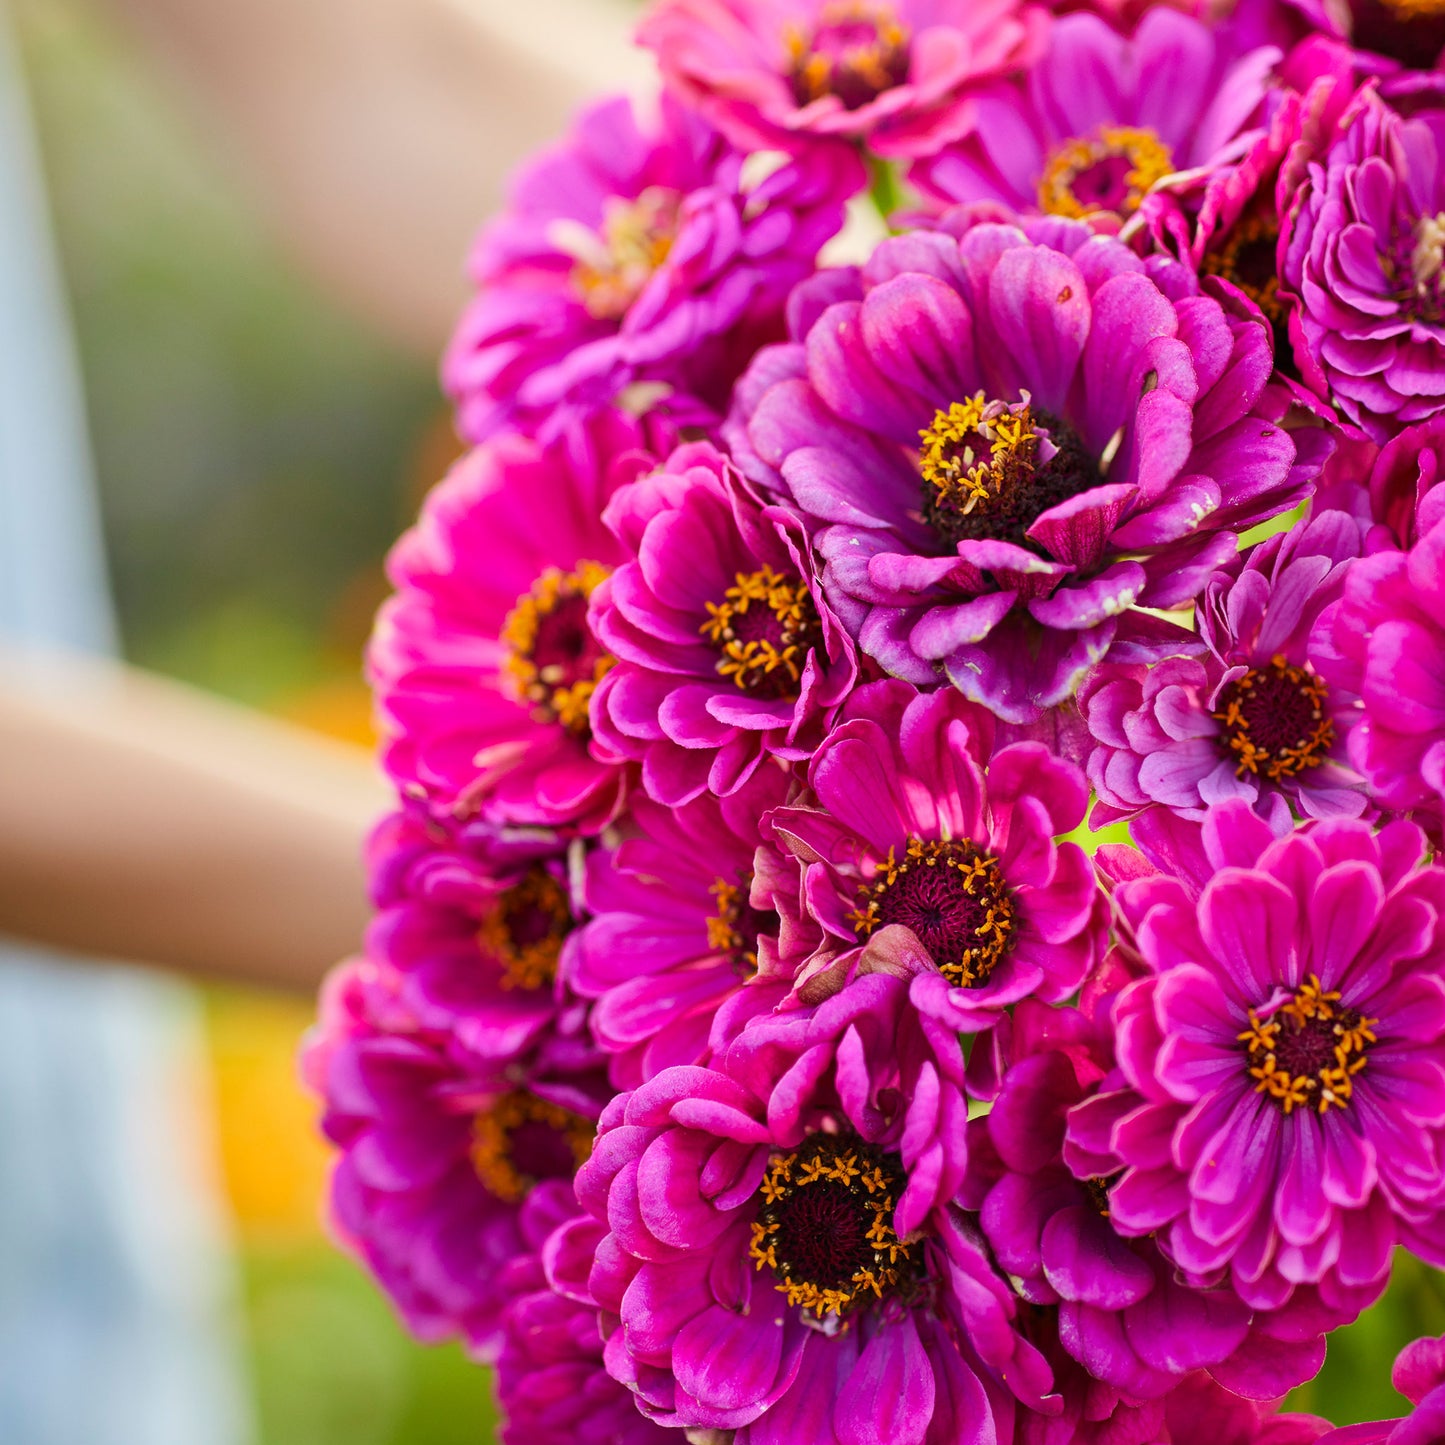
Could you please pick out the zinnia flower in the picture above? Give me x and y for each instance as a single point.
(1278, 1113)
(483, 663)
(637, 256)
(726, 652)
(1250, 716)
(689, 905)
(1363, 263)
(472, 922)
(783, 1258)
(934, 859)
(438, 1151)
(1388, 636)
(888, 73)
(1099, 119)
(1005, 448)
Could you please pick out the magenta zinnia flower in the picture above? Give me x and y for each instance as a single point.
(1278, 1113)
(483, 663)
(438, 1151)
(1363, 263)
(1388, 634)
(727, 654)
(783, 1257)
(686, 908)
(1251, 715)
(890, 73)
(926, 855)
(1100, 118)
(1004, 448)
(472, 922)
(635, 254)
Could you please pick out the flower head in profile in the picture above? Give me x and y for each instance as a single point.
(1362, 262)
(1277, 1112)
(727, 654)
(892, 74)
(689, 905)
(483, 663)
(1006, 447)
(930, 856)
(783, 1258)
(1251, 715)
(438, 1151)
(1387, 637)
(1101, 118)
(640, 261)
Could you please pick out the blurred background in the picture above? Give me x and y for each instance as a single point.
(260, 436)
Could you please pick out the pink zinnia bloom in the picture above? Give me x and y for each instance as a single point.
(643, 254)
(929, 854)
(1277, 1117)
(483, 663)
(891, 74)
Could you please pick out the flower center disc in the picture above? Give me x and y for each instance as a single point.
(617, 261)
(1114, 171)
(991, 469)
(856, 51)
(764, 628)
(522, 1139)
(825, 1225)
(1309, 1050)
(1410, 31)
(1427, 269)
(554, 660)
(1247, 258)
(524, 930)
(955, 900)
(733, 930)
(1274, 721)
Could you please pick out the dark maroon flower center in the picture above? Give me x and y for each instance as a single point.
(524, 929)
(554, 661)
(522, 1139)
(1112, 170)
(1246, 256)
(1410, 31)
(825, 1225)
(764, 628)
(734, 927)
(991, 470)
(954, 899)
(1308, 1050)
(856, 51)
(1274, 721)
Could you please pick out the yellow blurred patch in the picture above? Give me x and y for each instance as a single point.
(273, 1159)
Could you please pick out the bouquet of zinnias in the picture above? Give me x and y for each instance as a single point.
(929, 432)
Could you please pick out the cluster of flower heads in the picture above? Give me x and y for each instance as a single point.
(934, 431)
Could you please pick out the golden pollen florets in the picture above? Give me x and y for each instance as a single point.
(522, 1139)
(1113, 171)
(764, 628)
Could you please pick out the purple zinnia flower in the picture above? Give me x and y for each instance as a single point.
(1278, 1113)
(727, 653)
(1362, 261)
(926, 856)
(483, 662)
(1419, 1375)
(784, 1259)
(889, 73)
(438, 1150)
(551, 1381)
(642, 254)
(1100, 118)
(1388, 637)
(1004, 448)
(689, 905)
(1121, 1312)
(1249, 716)
(472, 922)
